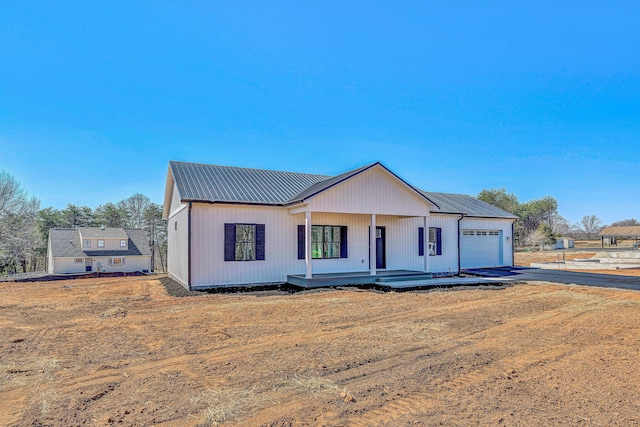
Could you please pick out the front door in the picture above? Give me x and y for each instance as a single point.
(380, 248)
(88, 263)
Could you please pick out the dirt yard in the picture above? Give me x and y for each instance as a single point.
(123, 351)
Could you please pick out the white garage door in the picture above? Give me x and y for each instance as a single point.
(480, 248)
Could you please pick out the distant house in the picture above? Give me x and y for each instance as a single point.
(563, 243)
(609, 235)
(230, 226)
(98, 249)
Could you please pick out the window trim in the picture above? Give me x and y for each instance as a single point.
(117, 264)
(86, 243)
(123, 243)
(343, 246)
(230, 247)
(78, 260)
(98, 245)
(324, 248)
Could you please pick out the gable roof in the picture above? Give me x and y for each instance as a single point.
(66, 243)
(103, 233)
(198, 182)
(629, 230)
(467, 205)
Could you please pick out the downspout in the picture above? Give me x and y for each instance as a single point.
(189, 247)
(459, 219)
(513, 246)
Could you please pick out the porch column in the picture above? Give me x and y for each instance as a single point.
(307, 244)
(425, 221)
(372, 246)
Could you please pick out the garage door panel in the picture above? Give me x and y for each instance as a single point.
(480, 248)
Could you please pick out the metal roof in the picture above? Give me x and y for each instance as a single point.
(66, 243)
(211, 183)
(467, 205)
(225, 184)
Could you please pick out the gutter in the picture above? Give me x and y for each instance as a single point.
(189, 247)
(460, 219)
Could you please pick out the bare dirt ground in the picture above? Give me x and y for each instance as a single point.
(526, 258)
(123, 351)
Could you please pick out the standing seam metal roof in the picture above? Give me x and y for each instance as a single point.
(211, 183)
(198, 182)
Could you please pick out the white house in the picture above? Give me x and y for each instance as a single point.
(230, 226)
(98, 249)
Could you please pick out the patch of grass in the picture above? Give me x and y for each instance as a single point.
(220, 406)
(114, 312)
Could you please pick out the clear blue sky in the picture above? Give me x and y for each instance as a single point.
(542, 98)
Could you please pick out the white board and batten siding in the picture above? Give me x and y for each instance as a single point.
(372, 191)
(485, 242)
(448, 261)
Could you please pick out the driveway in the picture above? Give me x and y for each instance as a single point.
(560, 276)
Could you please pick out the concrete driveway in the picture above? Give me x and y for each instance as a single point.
(559, 276)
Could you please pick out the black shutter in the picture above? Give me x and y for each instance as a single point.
(260, 242)
(301, 239)
(420, 241)
(229, 242)
(343, 242)
(438, 241)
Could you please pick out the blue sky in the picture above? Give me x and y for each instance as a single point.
(542, 98)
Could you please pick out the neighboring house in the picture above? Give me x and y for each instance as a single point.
(98, 249)
(609, 235)
(563, 243)
(230, 226)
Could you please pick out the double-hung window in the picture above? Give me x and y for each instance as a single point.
(101, 243)
(86, 243)
(244, 242)
(435, 241)
(327, 241)
(123, 243)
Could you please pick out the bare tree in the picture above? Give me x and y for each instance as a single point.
(19, 234)
(560, 226)
(589, 225)
(135, 206)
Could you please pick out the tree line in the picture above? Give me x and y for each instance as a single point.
(24, 226)
(540, 223)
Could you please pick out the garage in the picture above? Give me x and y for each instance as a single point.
(480, 248)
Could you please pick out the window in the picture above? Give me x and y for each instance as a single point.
(123, 243)
(244, 242)
(467, 232)
(435, 241)
(327, 241)
(481, 233)
(175, 225)
(116, 261)
(494, 233)
(78, 260)
(86, 243)
(101, 243)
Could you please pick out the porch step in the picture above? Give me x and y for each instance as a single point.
(405, 278)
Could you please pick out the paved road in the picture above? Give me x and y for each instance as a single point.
(588, 279)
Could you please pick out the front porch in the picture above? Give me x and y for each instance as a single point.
(355, 278)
